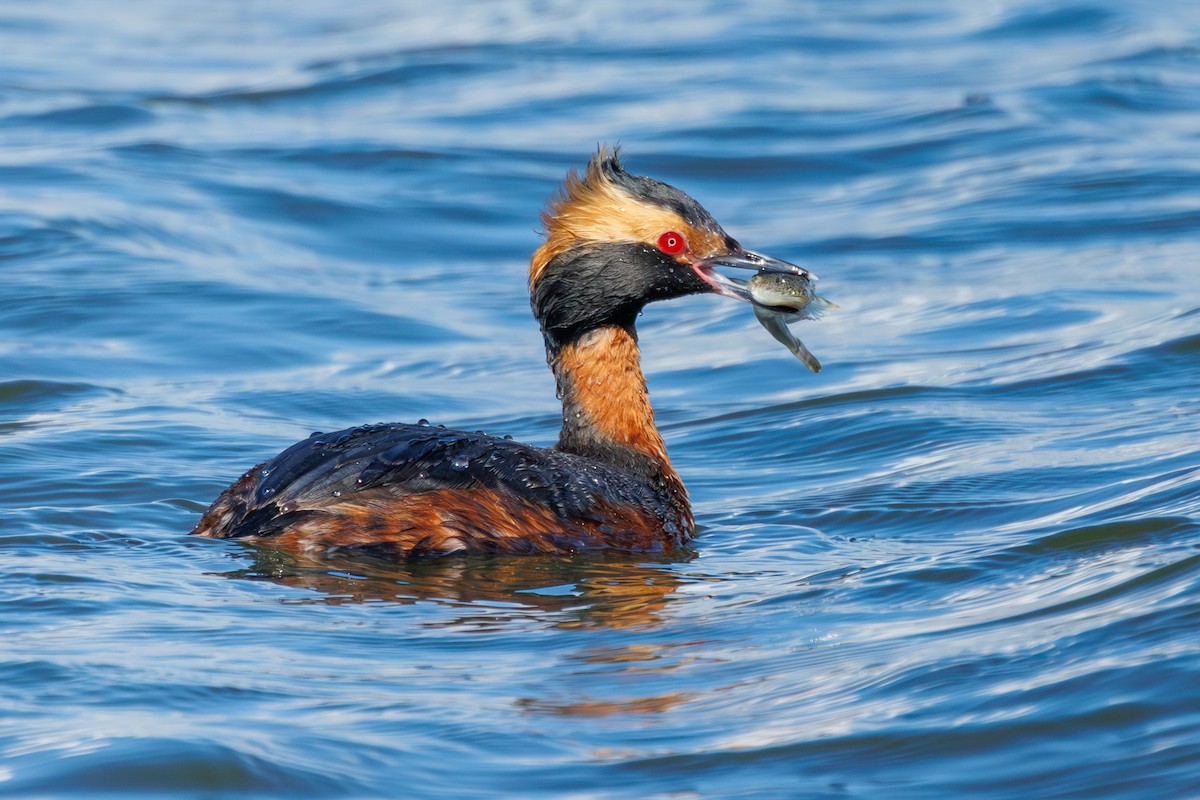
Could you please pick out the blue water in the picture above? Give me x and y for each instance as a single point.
(964, 560)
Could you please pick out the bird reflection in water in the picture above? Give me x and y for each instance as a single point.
(616, 591)
(630, 593)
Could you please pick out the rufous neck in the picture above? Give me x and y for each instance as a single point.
(606, 404)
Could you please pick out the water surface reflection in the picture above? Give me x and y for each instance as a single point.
(613, 591)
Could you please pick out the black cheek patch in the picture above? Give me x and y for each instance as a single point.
(595, 285)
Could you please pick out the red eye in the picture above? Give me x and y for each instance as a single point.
(672, 243)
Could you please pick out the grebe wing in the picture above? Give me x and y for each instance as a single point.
(377, 462)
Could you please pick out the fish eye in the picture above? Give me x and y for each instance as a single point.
(672, 243)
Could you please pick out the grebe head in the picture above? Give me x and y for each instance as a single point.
(616, 241)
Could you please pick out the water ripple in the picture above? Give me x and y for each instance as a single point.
(960, 561)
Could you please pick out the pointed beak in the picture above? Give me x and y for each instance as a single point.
(741, 259)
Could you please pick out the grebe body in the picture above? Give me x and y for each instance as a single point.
(406, 491)
(614, 242)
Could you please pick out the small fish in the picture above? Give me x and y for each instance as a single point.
(783, 298)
